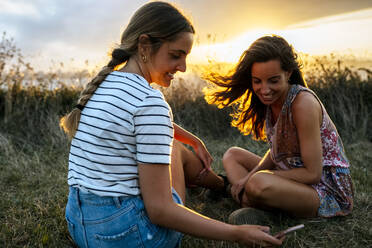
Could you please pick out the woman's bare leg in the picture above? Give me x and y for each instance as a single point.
(266, 190)
(177, 172)
(186, 168)
(238, 162)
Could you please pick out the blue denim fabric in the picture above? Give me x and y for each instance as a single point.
(96, 221)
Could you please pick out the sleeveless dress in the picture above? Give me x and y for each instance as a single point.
(335, 189)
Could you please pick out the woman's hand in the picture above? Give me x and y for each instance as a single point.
(257, 235)
(203, 154)
(237, 187)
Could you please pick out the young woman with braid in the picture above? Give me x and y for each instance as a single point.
(305, 172)
(127, 164)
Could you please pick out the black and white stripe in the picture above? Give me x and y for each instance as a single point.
(125, 122)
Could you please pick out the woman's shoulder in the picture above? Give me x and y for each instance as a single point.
(303, 97)
(306, 108)
(306, 103)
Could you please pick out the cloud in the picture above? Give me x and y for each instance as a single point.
(74, 21)
(339, 33)
(90, 27)
(351, 16)
(19, 8)
(342, 34)
(86, 29)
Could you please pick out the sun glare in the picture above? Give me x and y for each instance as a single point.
(343, 34)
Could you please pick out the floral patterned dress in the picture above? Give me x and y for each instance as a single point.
(335, 188)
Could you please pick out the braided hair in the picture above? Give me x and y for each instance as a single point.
(161, 21)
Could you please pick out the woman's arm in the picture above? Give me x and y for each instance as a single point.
(200, 149)
(307, 116)
(184, 136)
(265, 164)
(156, 192)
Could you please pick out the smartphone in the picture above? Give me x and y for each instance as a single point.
(289, 230)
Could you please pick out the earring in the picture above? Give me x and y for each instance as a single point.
(144, 59)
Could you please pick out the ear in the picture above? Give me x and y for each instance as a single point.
(144, 39)
(144, 44)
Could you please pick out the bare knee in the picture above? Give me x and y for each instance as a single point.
(257, 185)
(229, 157)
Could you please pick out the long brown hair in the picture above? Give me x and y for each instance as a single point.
(160, 21)
(235, 88)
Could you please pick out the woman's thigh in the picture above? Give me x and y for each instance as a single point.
(177, 171)
(266, 189)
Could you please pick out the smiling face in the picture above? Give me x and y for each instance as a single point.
(169, 59)
(270, 82)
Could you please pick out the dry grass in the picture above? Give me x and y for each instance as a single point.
(33, 152)
(34, 189)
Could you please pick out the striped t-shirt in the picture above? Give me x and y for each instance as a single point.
(124, 123)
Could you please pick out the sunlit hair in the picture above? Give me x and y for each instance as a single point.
(235, 88)
(160, 21)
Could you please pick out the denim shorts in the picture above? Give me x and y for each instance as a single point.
(96, 221)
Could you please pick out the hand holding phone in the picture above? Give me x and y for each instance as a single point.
(289, 230)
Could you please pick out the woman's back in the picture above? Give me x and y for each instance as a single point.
(124, 122)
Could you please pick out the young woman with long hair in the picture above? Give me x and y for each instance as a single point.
(305, 172)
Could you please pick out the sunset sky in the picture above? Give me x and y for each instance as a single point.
(72, 31)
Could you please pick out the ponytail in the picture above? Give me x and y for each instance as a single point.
(69, 123)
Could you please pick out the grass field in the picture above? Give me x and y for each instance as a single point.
(34, 194)
(34, 151)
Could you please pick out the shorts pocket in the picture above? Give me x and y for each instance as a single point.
(148, 224)
(128, 238)
(151, 234)
(106, 214)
